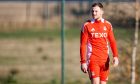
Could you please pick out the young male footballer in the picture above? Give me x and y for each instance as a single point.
(96, 35)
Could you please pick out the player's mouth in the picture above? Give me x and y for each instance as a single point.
(94, 16)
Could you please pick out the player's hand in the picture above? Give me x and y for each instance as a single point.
(84, 67)
(115, 61)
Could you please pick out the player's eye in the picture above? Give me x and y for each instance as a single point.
(93, 11)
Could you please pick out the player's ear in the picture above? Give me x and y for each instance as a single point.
(102, 12)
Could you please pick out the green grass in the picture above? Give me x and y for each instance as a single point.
(41, 50)
(70, 33)
(33, 34)
(123, 33)
(30, 34)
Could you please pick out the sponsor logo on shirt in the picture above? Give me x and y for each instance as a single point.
(99, 35)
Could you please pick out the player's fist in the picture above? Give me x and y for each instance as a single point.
(115, 61)
(84, 67)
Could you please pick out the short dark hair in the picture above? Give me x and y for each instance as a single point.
(97, 4)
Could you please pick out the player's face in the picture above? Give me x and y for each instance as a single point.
(97, 12)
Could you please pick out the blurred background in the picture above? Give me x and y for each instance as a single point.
(30, 40)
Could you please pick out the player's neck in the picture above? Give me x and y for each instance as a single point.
(98, 19)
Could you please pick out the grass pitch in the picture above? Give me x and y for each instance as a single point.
(34, 57)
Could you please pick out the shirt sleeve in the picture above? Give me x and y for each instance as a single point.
(83, 43)
(112, 41)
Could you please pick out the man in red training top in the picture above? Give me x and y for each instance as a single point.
(94, 50)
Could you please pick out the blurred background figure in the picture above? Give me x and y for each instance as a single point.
(30, 45)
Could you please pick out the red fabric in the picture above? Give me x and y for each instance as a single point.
(98, 34)
(99, 69)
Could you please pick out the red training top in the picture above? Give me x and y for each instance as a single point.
(94, 39)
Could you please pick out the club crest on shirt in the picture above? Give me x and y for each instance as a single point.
(105, 28)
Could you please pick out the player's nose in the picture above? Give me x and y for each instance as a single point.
(94, 13)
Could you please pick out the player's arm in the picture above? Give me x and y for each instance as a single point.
(113, 45)
(83, 43)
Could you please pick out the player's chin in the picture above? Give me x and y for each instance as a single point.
(95, 17)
